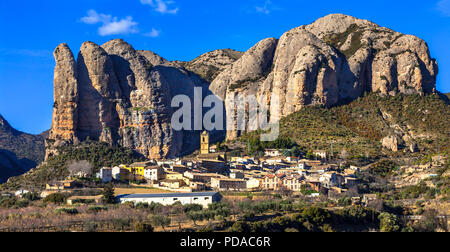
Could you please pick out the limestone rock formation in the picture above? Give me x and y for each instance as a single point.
(211, 64)
(115, 94)
(65, 107)
(119, 97)
(153, 58)
(245, 76)
(390, 143)
(332, 61)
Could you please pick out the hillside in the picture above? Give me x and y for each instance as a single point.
(19, 152)
(359, 126)
(98, 154)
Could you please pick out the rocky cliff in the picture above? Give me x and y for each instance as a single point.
(329, 62)
(115, 94)
(211, 64)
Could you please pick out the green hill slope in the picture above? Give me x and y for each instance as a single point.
(360, 126)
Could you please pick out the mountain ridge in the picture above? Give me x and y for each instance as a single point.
(19, 151)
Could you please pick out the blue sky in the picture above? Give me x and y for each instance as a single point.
(177, 30)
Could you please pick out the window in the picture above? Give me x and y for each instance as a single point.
(175, 199)
(195, 198)
(206, 198)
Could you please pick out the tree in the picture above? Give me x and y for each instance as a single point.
(195, 216)
(286, 192)
(388, 222)
(316, 215)
(108, 194)
(240, 227)
(57, 198)
(159, 220)
(141, 227)
(310, 155)
(31, 196)
(192, 207)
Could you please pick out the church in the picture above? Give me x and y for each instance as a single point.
(213, 162)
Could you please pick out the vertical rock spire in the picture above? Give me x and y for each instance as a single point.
(65, 113)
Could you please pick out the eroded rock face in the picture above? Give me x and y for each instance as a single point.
(332, 61)
(390, 143)
(211, 64)
(65, 107)
(98, 90)
(117, 96)
(153, 58)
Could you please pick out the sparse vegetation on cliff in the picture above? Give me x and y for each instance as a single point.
(359, 126)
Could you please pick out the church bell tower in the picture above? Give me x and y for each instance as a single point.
(204, 140)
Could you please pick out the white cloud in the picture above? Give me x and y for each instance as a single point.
(123, 26)
(161, 6)
(153, 34)
(110, 25)
(444, 7)
(264, 9)
(93, 17)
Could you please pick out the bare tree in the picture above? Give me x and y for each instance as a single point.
(284, 191)
(80, 168)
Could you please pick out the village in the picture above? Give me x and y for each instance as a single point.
(201, 179)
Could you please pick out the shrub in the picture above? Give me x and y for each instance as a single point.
(383, 168)
(83, 201)
(21, 203)
(240, 227)
(57, 198)
(316, 215)
(6, 202)
(31, 196)
(192, 207)
(141, 227)
(66, 210)
(358, 215)
(96, 209)
(159, 220)
(389, 222)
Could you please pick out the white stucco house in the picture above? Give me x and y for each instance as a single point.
(201, 198)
